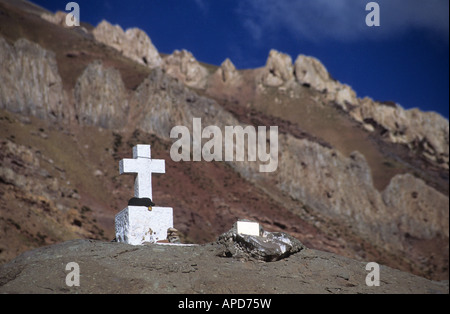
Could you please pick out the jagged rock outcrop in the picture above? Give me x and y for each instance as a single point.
(29, 81)
(311, 72)
(183, 66)
(111, 35)
(227, 72)
(134, 43)
(58, 18)
(100, 97)
(162, 102)
(278, 69)
(141, 48)
(424, 132)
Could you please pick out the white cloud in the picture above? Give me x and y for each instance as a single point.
(343, 20)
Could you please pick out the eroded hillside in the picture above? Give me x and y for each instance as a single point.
(356, 177)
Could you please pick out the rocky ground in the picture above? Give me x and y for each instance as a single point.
(109, 267)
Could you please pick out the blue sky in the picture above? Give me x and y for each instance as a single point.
(405, 60)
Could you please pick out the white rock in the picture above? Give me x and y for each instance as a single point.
(227, 72)
(183, 66)
(134, 43)
(278, 69)
(310, 71)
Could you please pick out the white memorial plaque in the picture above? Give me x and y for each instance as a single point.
(248, 228)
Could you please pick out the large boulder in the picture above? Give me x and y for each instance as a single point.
(267, 246)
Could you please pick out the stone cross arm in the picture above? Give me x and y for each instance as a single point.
(143, 166)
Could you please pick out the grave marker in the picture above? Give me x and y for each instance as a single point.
(137, 224)
(143, 166)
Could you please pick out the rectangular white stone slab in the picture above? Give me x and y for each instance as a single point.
(136, 224)
(248, 227)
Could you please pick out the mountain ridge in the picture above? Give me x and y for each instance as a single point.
(86, 84)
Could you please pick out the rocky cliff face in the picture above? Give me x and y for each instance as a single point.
(425, 132)
(407, 220)
(163, 103)
(408, 127)
(133, 43)
(39, 91)
(100, 97)
(341, 188)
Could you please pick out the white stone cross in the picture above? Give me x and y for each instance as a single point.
(139, 224)
(143, 166)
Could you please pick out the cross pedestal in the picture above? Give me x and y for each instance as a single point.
(138, 224)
